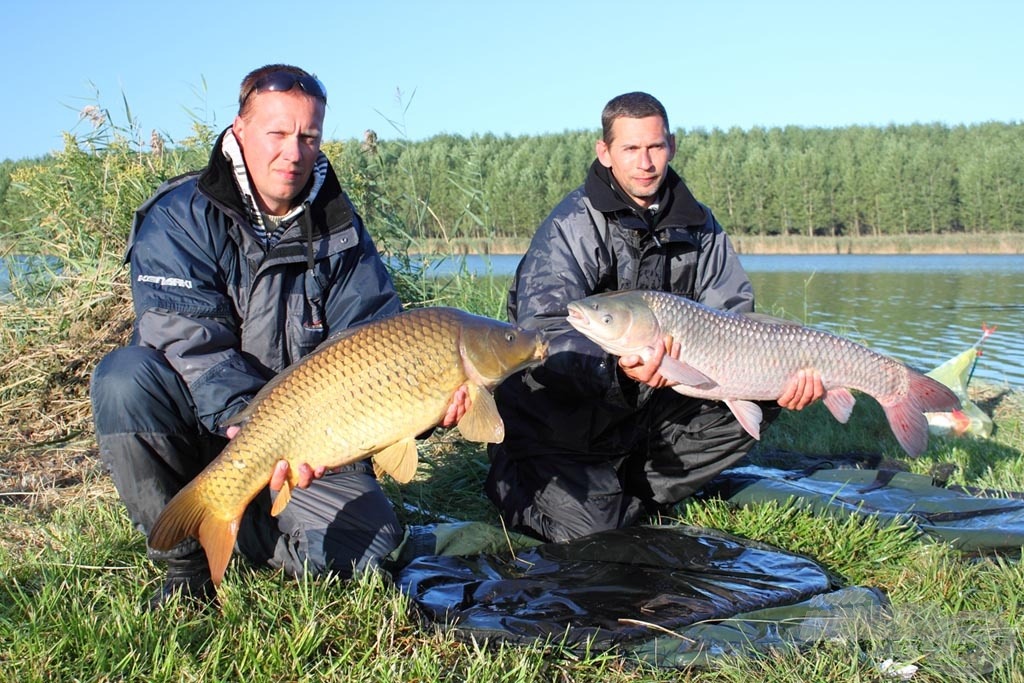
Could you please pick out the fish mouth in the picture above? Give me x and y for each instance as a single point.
(576, 316)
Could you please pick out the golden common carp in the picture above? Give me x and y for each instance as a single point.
(368, 392)
(740, 358)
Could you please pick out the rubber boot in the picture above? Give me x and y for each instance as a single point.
(189, 578)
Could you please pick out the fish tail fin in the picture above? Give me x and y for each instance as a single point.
(931, 395)
(187, 514)
(907, 419)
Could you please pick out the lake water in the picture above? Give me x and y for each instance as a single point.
(33, 271)
(922, 309)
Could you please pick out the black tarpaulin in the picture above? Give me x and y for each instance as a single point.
(621, 587)
(968, 522)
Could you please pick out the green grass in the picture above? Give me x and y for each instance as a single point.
(74, 576)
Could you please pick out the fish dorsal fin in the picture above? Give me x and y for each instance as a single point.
(481, 423)
(679, 372)
(399, 460)
(770, 319)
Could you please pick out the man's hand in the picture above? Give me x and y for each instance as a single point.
(457, 408)
(306, 475)
(647, 372)
(804, 389)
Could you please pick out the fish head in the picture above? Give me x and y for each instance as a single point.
(619, 322)
(492, 350)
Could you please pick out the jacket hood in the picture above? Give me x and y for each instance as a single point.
(678, 207)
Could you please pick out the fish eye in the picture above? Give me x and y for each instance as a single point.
(606, 319)
(510, 337)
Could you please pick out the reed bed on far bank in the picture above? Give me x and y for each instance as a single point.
(944, 243)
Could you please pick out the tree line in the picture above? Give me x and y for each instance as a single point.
(850, 181)
(856, 180)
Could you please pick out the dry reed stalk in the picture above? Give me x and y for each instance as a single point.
(48, 349)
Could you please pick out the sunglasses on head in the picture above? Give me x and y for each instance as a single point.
(283, 81)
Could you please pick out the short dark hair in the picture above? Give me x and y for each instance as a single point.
(245, 91)
(632, 105)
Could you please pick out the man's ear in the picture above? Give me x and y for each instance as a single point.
(603, 153)
(238, 128)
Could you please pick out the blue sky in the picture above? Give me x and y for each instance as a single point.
(520, 67)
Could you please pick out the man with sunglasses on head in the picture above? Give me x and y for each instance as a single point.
(238, 271)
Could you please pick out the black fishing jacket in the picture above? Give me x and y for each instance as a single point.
(228, 313)
(596, 241)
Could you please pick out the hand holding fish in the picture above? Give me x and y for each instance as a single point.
(459, 406)
(280, 475)
(645, 371)
(801, 391)
(804, 389)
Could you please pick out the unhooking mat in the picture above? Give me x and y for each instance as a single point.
(669, 595)
(971, 523)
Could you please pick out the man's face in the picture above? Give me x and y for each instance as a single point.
(280, 139)
(638, 156)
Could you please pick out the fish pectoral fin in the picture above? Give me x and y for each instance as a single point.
(399, 460)
(482, 423)
(748, 414)
(283, 497)
(681, 373)
(217, 536)
(839, 402)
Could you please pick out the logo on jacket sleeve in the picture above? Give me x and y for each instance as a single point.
(162, 281)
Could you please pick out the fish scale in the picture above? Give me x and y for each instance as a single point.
(367, 392)
(738, 359)
(716, 342)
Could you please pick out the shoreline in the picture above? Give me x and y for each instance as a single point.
(958, 243)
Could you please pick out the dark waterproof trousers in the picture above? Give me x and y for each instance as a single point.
(153, 444)
(665, 451)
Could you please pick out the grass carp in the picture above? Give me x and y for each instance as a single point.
(367, 392)
(741, 358)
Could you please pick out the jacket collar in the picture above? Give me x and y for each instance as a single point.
(677, 206)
